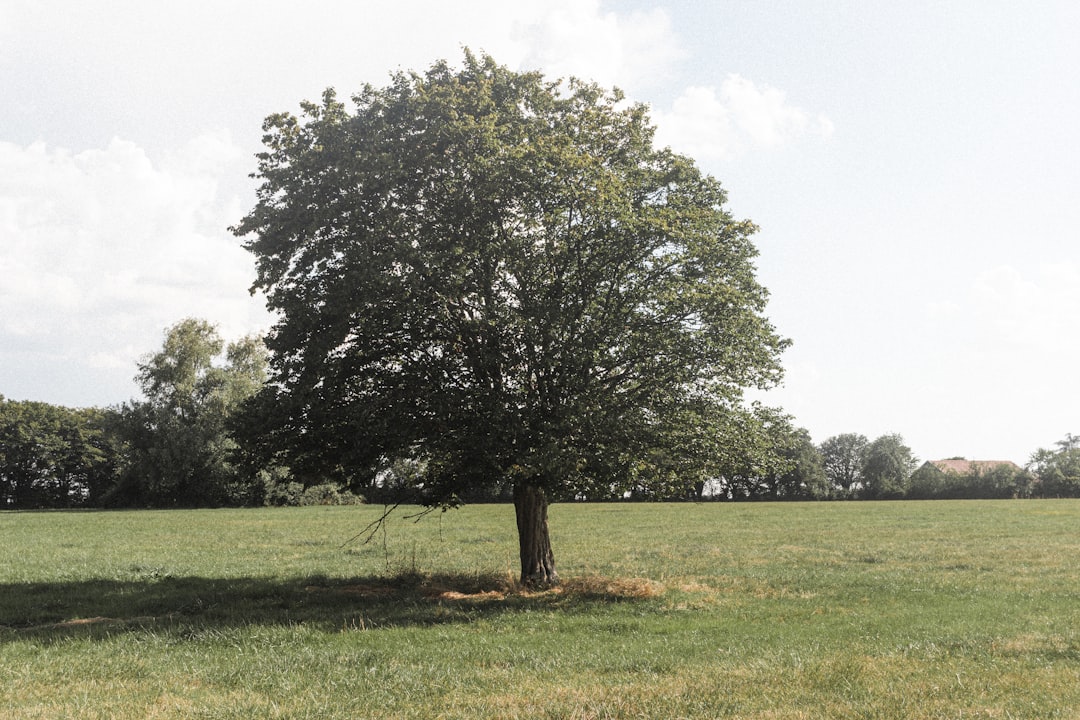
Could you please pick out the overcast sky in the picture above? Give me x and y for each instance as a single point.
(914, 168)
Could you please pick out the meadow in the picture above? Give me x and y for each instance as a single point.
(943, 609)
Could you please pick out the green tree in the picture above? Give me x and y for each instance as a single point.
(887, 465)
(1001, 481)
(928, 482)
(801, 474)
(980, 480)
(1057, 472)
(52, 456)
(179, 448)
(499, 279)
(842, 456)
(776, 460)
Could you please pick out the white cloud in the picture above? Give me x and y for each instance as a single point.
(765, 115)
(576, 38)
(713, 124)
(102, 249)
(699, 124)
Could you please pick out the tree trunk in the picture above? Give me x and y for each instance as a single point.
(537, 560)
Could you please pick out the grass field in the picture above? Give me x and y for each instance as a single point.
(841, 610)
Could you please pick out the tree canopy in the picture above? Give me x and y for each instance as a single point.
(500, 279)
(1058, 470)
(843, 457)
(52, 456)
(887, 465)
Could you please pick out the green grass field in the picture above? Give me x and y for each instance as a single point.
(840, 610)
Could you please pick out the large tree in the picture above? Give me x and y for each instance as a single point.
(499, 279)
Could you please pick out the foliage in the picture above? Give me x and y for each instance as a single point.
(843, 457)
(1057, 471)
(282, 493)
(52, 456)
(777, 461)
(328, 495)
(868, 610)
(803, 473)
(500, 279)
(928, 482)
(856, 468)
(1000, 481)
(177, 441)
(887, 465)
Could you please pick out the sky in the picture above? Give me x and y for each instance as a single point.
(914, 169)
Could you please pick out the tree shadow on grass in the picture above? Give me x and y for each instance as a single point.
(101, 608)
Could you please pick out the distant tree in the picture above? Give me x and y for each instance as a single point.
(843, 458)
(52, 456)
(778, 462)
(802, 473)
(977, 481)
(179, 450)
(749, 472)
(1001, 481)
(501, 280)
(928, 482)
(886, 467)
(1057, 472)
(1069, 444)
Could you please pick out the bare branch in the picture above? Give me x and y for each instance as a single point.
(373, 526)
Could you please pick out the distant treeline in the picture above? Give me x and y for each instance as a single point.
(195, 441)
(176, 448)
(145, 455)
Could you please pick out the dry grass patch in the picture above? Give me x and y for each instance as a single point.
(96, 621)
(597, 587)
(493, 588)
(729, 589)
(1036, 644)
(454, 595)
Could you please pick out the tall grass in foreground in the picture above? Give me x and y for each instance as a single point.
(871, 610)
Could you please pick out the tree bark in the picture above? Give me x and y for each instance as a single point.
(537, 560)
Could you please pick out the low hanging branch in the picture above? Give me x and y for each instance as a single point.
(373, 527)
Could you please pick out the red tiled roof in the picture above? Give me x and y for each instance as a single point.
(961, 466)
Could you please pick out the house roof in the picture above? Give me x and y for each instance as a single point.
(961, 466)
